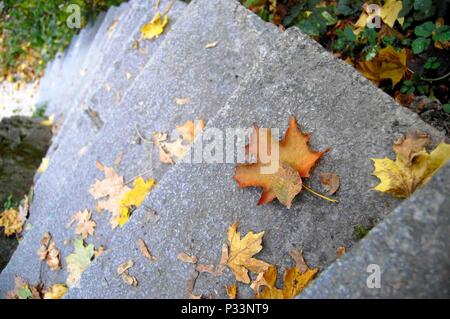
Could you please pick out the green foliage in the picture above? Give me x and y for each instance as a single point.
(9, 203)
(39, 111)
(432, 64)
(33, 31)
(361, 231)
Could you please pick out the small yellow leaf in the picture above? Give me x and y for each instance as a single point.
(56, 291)
(240, 259)
(155, 27)
(12, 222)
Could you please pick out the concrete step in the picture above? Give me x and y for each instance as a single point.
(180, 67)
(410, 247)
(196, 203)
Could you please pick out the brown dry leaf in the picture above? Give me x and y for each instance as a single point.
(340, 251)
(85, 226)
(124, 267)
(330, 182)
(186, 258)
(109, 192)
(49, 252)
(388, 64)
(241, 253)
(143, 248)
(23, 290)
(283, 179)
(189, 130)
(295, 280)
(182, 101)
(129, 279)
(409, 146)
(211, 45)
(300, 262)
(232, 291)
(210, 269)
(98, 252)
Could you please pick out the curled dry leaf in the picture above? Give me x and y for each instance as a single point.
(211, 45)
(85, 226)
(182, 101)
(232, 291)
(186, 258)
(124, 267)
(412, 168)
(300, 262)
(330, 182)
(129, 279)
(281, 179)
(241, 253)
(143, 248)
(49, 253)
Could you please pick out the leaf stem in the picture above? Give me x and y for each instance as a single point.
(320, 195)
(437, 79)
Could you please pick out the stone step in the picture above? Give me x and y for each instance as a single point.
(196, 203)
(410, 247)
(81, 125)
(180, 67)
(52, 84)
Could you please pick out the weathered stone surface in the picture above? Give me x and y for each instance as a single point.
(181, 67)
(410, 246)
(197, 203)
(23, 143)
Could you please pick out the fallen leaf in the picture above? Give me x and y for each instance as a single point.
(145, 251)
(211, 45)
(387, 64)
(300, 262)
(389, 13)
(241, 253)
(133, 198)
(56, 291)
(109, 192)
(330, 182)
(186, 258)
(402, 177)
(191, 285)
(182, 101)
(155, 27)
(295, 161)
(129, 280)
(409, 146)
(12, 222)
(340, 251)
(78, 261)
(189, 130)
(44, 165)
(124, 267)
(49, 253)
(223, 258)
(295, 280)
(175, 149)
(232, 291)
(23, 290)
(85, 226)
(98, 252)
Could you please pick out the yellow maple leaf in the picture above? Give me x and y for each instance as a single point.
(295, 280)
(388, 13)
(133, 198)
(155, 27)
(388, 64)
(412, 168)
(12, 222)
(240, 258)
(56, 291)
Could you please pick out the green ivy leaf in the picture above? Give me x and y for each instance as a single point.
(420, 44)
(424, 30)
(446, 107)
(442, 33)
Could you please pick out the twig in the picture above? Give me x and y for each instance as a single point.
(320, 195)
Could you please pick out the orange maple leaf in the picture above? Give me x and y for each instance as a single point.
(295, 161)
